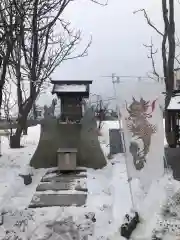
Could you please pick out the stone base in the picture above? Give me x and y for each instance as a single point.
(53, 200)
(64, 178)
(173, 160)
(54, 186)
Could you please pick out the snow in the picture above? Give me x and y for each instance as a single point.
(174, 103)
(69, 88)
(148, 205)
(101, 184)
(108, 195)
(165, 140)
(104, 139)
(14, 162)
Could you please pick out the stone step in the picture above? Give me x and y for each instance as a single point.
(54, 186)
(63, 178)
(76, 171)
(59, 186)
(61, 200)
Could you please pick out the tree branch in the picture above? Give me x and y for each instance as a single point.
(102, 4)
(151, 56)
(148, 20)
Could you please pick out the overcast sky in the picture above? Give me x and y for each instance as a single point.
(117, 46)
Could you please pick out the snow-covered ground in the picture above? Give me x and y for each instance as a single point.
(108, 195)
(13, 162)
(149, 205)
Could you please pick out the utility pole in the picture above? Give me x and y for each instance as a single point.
(116, 79)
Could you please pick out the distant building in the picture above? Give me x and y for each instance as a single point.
(177, 79)
(39, 113)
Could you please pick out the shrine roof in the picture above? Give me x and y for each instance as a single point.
(174, 104)
(71, 87)
(71, 82)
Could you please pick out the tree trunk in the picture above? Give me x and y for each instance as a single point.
(170, 136)
(25, 130)
(22, 120)
(16, 142)
(168, 68)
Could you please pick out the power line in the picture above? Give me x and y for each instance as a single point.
(130, 76)
(104, 100)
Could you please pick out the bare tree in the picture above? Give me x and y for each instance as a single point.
(8, 104)
(168, 55)
(43, 41)
(7, 39)
(151, 56)
(101, 110)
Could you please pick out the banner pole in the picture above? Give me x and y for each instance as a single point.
(123, 143)
(127, 171)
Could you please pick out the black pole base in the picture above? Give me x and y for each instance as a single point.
(129, 225)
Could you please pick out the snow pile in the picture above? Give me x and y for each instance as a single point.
(14, 194)
(111, 187)
(30, 225)
(149, 206)
(174, 103)
(157, 210)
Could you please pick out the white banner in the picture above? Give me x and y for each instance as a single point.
(142, 119)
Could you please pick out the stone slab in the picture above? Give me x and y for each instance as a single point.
(59, 186)
(81, 189)
(54, 186)
(63, 178)
(67, 150)
(76, 171)
(116, 141)
(172, 156)
(62, 200)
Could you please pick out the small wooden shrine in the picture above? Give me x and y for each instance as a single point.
(71, 139)
(174, 113)
(71, 94)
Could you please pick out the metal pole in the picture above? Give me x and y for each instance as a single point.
(117, 106)
(123, 141)
(129, 178)
(0, 139)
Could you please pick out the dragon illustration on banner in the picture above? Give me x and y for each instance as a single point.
(138, 124)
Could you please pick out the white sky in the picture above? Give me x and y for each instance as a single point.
(117, 47)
